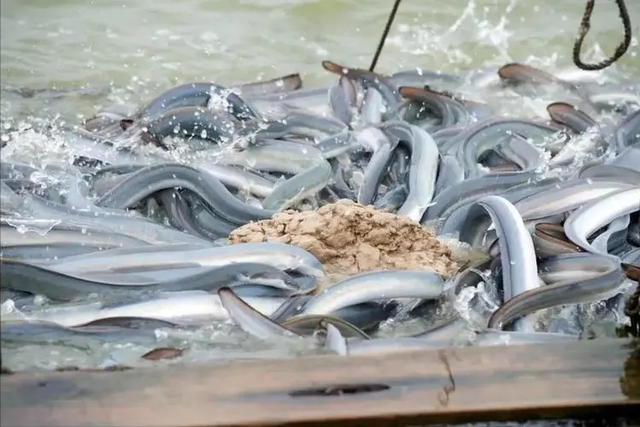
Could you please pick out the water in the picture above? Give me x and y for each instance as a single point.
(134, 48)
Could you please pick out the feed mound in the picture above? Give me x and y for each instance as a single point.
(349, 238)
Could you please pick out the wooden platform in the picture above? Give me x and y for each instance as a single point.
(417, 388)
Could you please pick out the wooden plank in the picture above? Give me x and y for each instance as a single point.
(446, 386)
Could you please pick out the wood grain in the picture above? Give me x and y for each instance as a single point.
(446, 386)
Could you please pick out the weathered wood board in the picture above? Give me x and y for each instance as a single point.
(426, 387)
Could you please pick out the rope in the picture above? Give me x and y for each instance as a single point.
(385, 33)
(585, 26)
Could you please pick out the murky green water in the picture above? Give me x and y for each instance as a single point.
(139, 46)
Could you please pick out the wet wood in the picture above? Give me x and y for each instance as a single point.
(417, 388)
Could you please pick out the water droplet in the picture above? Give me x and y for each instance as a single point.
(40, 300)
(8, 306)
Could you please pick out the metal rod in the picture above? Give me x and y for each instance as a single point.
(385, 33)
